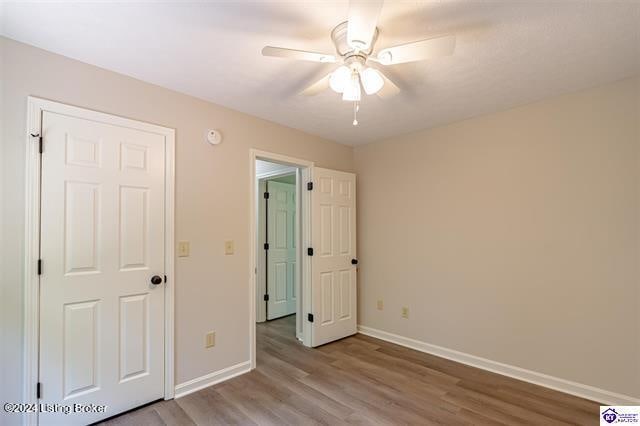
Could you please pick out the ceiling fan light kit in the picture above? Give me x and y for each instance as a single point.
(352, 89)
(339, 79)
(355, 41)
(372, 81)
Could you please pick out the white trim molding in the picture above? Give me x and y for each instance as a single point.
(276, 173)
(35, 108)
(211, 379)
(31, 255)
(573, 388)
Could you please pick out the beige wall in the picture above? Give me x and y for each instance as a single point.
(514, 236)
(212, 290)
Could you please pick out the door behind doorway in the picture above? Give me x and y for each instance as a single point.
(281, 253)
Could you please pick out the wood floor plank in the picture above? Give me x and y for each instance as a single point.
(208, 407)
(172, 414)
(146, 416)
(363, 381)
(331, 406)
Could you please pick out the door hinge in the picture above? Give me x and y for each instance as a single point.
(309, 186)
(40, 144)
(266, 297)
(38, 390)
(310, 251)
(266, 246)
(266, 195)
(39, 266)
(310, 317)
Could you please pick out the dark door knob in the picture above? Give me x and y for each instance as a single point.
(155, 280)
(354, 261)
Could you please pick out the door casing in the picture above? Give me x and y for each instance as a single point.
(35, 108)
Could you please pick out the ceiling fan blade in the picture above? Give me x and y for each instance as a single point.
(281, 52)
(317, 87)
(418, 50)
(362, 22)
(389, 89)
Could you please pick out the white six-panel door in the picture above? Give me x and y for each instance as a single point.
(281, 257)
(333, 236)
(102, 240)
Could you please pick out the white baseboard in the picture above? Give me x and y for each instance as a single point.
(211, 379)
(578, 389)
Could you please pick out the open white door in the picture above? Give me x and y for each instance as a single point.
(281, 256)
(103, 264)
(333, 264)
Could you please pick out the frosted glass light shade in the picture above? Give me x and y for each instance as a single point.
(352, 90)
(372, 81)
(339, 79)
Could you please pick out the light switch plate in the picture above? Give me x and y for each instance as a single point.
(405, 312)
(210, 340)
(183, 249)
(380, 305)
(228, 247)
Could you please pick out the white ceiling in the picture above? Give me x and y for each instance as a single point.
(508, 53)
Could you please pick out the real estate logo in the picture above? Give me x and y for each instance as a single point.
(609, 415)
(627, 414)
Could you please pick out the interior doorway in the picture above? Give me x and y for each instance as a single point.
(278, 225)
(324, 242)
(280, 222)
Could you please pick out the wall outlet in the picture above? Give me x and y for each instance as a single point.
(183, 249)
(210, 340)
(228, 247)
(380, 305)
(405, 312)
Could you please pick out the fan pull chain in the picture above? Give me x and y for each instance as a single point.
(356, 107)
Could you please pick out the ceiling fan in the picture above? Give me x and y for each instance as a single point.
(355, 41)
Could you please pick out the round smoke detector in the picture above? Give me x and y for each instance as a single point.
(214, 137)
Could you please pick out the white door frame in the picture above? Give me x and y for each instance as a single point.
(35, 109)
(303, 205)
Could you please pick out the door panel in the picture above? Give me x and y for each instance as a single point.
(281, 257)
(134, 222)
(333, 277)
(326, 297)
(346, 286)
(134, 338)
(81, 227)
(101, 321)
(80, 348)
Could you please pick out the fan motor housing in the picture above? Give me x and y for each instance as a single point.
(339, 38)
